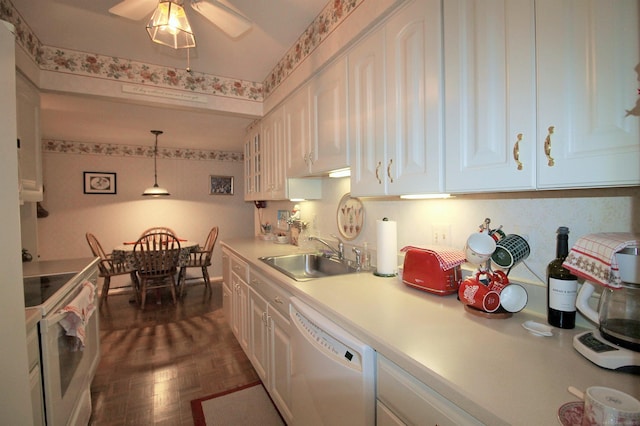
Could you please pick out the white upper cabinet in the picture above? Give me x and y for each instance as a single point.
(541, 94)
(395, 104)
(588, 56)
(490, 95)
(28, 127)
(253, 165)
(328, 95)
(297, 133)
(273, 146)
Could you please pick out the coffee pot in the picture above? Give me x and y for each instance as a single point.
(618, 314)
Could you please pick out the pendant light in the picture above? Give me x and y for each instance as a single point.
(155, 190)
(169, 26)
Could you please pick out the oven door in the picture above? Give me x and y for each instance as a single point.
(67, 371)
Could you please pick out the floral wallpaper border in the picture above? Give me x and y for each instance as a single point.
(118, 150)
(113, 68)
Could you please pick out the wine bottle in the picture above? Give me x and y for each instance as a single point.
(561, 286)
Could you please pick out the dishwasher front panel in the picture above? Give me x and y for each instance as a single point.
(333, 373)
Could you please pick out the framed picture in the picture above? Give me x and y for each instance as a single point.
(99, 183)
(283, 219)
(221, 185)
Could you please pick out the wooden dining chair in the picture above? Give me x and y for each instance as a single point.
(156, 258)
(156, 229)
(200, 259)
(108, 268)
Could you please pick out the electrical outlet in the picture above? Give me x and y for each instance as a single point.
(441, 234)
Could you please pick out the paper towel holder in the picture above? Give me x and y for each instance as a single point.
(383, 274)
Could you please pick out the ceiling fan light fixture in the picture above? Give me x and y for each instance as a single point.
(169, 26)
(155, 190)
(225, 18)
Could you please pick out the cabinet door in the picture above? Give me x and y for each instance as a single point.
(253, 165)
(273, 169)
(414, 99)
(588, 106)
(280, 362)
(329, 145)
(367, 106)
(258, 334)
(28, 127)
(490, 95)
(297, 133)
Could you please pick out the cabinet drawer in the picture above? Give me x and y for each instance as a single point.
(239, 268)
(413, 402)
(274, 294)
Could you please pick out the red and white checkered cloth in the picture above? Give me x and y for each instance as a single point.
(593, 257)
(448, 257)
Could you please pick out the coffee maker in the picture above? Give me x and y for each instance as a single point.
(615, 344)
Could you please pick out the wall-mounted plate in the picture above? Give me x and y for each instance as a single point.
(350, 217)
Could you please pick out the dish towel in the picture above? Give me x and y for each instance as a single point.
(593, 257)
(78, 313)
(447, 257)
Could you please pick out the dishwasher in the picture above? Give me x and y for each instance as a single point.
(333, 373)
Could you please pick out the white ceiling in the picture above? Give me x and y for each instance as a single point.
(88, 26)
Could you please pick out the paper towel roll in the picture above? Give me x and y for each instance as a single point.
(387, 249)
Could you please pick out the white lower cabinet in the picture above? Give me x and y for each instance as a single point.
(402, 399)
(269, 340)
(239, 300)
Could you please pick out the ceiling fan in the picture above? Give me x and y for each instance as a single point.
(233, 23)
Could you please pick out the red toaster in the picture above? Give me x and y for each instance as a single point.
(437, 272)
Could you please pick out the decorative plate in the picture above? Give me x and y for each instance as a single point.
(350, 216)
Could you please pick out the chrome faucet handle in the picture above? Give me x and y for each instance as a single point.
(358, 253)
(340, 246)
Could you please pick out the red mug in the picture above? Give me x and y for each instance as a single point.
(498, 281)
(474, 293)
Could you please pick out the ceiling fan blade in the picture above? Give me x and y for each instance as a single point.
(134, 9)
(223, 17)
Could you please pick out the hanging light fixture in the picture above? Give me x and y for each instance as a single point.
(155, 190)
(169, 25)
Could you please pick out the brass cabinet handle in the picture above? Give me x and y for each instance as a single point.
(277, 300)
(547, 147)
(516, 151)
(378, 171)
(311, 157)
(389, 170)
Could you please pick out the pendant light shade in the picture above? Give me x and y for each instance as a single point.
(155, 190)
(169, 26)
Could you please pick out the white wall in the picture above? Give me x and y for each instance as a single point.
(190, 210)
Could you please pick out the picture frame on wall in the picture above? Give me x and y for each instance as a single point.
(221, 185)
(99, 183)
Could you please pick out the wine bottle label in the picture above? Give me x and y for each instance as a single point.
(562, 294)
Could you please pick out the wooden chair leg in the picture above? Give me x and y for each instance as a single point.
(173, 289)
(205, 275)
(135, 283)
(143, 293)
(105, 289)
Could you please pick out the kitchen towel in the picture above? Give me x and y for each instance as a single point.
(387, 248)
(78, 313)
(593, 257)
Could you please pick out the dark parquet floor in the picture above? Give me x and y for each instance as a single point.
(154, 362)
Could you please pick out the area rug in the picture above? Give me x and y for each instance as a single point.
(247, 405)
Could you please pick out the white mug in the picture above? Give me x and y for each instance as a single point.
(609, 407)
(479, 248)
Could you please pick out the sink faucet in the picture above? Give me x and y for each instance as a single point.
(338, 252)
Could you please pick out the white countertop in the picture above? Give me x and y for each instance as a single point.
(492, 368)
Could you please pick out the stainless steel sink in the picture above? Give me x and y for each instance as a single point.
(305, 267)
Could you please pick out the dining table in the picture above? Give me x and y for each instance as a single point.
(123, 253)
